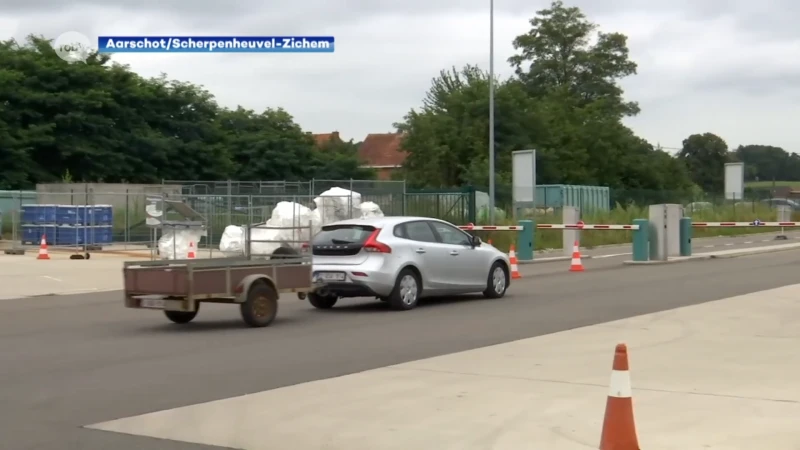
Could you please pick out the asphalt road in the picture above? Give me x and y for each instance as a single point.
(71, 361)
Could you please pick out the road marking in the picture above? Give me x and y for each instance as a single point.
(51, 278)
(708, 246)
(748, 242)
(730, 243)
(611, 256)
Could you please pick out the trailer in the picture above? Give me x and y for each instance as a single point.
(178, 287)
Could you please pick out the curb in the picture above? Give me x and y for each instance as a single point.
(707, 256)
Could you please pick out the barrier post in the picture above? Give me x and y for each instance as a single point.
(525, 240)
(685, 236)
(641, 240)
(784, 215)
(570, 214)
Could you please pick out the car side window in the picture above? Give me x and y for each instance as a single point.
(450, 235)
(419, 231)
(400, 231)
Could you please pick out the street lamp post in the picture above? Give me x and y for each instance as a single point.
(491, 112)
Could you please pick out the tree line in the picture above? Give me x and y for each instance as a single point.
(100, 121)
(565, 101)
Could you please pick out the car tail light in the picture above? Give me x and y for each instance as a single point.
(374, 246)
(305, 247)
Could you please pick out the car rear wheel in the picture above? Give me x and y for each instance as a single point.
(322, 301)
(497, 284)
(406, 291)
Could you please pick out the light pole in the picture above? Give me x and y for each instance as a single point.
(491, 112)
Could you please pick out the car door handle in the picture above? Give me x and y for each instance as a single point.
(420, 250)
(453, 253)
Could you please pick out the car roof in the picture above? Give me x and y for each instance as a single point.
(380, 222)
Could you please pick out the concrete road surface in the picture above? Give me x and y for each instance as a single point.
(70, 361)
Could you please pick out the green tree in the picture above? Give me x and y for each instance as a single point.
(565, 102)
(557, 56)
(765, 162)
(447, 138)
(100, 121)
(705, 156)
(338, 160)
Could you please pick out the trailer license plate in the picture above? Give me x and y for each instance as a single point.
(331, 276)
(154, 303)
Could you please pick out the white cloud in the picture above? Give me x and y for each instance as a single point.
(724, 67)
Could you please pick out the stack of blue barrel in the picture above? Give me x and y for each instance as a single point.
(68, 225)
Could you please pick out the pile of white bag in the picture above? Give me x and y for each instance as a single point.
(282, 227)
(175, 244)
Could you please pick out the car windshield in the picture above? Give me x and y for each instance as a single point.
(343, 235)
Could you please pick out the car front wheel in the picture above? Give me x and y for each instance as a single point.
(497, 284)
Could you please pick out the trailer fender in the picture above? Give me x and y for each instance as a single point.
(243, 288)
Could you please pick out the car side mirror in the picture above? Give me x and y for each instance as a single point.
(475, 241)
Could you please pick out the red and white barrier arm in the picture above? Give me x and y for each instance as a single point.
(582, 226)
(744, 224)
(472, 227)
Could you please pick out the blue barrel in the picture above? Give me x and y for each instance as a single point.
(101, 215)
(72, 215)
(32, 234)
(67, 235)
(49, 231)
(38, 214)
(101, 235)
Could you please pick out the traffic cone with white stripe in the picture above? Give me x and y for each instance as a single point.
(577, 265)
(191, 254)
(512, 257)
(619, 428)
(43, 249)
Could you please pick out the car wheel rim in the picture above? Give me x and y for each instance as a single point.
(408, 289)
(499, 280)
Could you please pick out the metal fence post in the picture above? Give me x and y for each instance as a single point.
(641, 240)
(526, 240)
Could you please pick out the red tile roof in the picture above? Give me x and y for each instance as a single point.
(324, 138)
(382, 149)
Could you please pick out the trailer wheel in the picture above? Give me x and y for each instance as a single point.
(261, 306)
(181, 316)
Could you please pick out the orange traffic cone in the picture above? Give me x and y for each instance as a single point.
(577, 265)
(619, 428)
(191, 254)
(512, 256)
(43, 249)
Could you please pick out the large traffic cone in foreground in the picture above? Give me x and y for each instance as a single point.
(619, 428)
(191, 254)
(43, 249)
(512, 257)
(577, 265)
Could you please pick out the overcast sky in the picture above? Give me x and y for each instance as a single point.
(730, 67)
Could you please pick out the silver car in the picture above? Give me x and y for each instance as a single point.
(402, 259)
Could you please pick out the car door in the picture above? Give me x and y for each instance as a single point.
(466, 268)
(426, 253)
